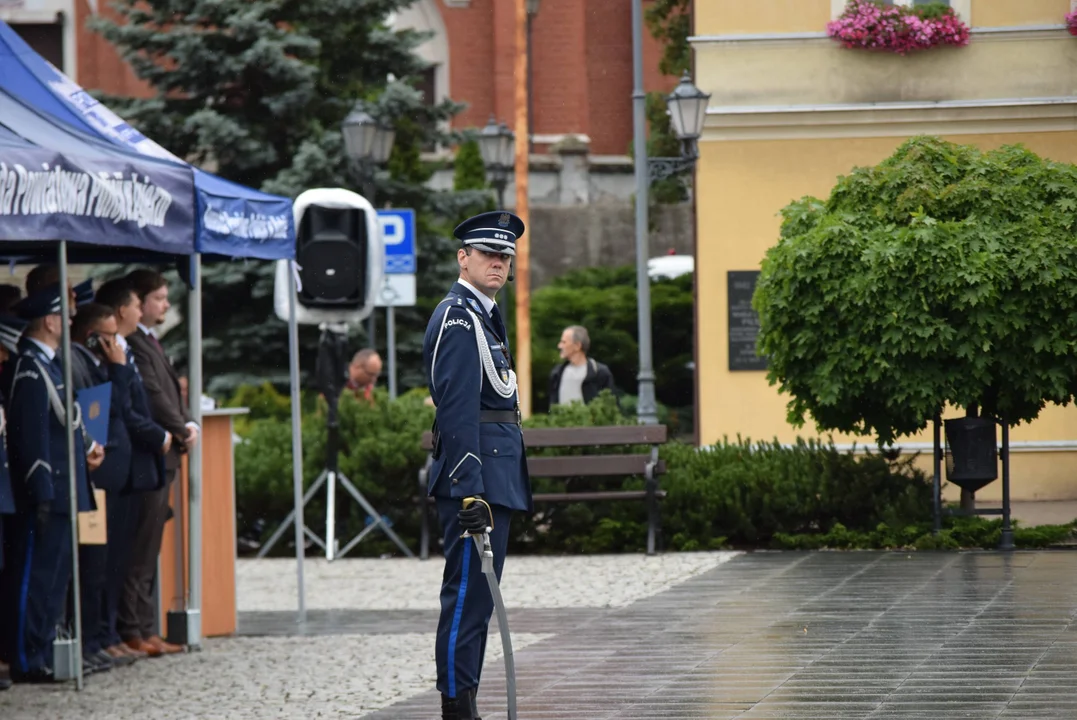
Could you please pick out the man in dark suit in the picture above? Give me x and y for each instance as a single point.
(41, 532)
(149, 443)
(97, 358)
(479, 474)
(167, 409)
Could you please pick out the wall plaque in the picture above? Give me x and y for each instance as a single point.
(743, 321)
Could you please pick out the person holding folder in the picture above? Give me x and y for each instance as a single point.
(102, 381)
(40, 539)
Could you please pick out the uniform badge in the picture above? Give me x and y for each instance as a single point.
(503, 221)
(474, 305)
(504, 375)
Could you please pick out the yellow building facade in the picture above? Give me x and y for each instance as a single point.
(791, 110)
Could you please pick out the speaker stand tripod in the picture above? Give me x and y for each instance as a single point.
(330, 476)
(331, 372)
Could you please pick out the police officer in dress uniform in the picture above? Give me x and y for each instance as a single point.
(478, 447)
(40, 548)
(10, 329)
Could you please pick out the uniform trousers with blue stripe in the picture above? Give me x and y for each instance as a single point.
(37, 576)
(466, 603)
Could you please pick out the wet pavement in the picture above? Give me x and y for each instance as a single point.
(811, 636)
(762, 636)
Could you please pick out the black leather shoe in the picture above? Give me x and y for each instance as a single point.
(90, 665)
(448, 708)
(465, 700)
(37, 676)
(105, 659)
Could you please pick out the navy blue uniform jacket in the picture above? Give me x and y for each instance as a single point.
(115, 471)
(7, 498)
(486, 459)
(38, 440)
(147, 437)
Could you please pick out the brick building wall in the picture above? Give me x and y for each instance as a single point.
(581, 67)
(581, 63)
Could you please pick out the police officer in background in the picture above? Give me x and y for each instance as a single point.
(478, 448)
(40, 539)
(10, 329)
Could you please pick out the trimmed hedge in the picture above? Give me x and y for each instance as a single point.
(738, 494)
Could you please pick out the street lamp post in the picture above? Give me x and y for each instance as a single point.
(532, 11)
(497, 145)
(687, 108)
(368, 145)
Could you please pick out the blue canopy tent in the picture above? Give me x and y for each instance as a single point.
(231, 221)
(56, 184)
(57, 188)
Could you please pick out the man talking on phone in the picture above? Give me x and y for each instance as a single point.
(97, 358)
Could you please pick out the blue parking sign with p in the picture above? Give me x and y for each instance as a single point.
(398, 232)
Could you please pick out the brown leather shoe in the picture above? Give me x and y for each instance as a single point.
(164, 647)
(123, 649)
(142, 646)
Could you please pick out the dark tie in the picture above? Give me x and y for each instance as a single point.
(156, 342)
(499, 324)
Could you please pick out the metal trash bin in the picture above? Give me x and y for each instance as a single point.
(972, 452)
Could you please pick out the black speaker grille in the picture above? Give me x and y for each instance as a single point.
(332, 252)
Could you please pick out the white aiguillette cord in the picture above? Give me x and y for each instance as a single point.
(502, 388)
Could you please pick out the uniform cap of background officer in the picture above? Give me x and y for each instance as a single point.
(494, 232)
(84, 292)
(11, 328)
(45, 301)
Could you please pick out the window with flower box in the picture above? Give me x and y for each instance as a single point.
(963, 8)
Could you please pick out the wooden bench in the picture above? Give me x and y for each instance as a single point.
(580, 466)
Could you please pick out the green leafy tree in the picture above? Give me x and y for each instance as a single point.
(943, 275)
(255, 90)
(469, 173)
(670, 22)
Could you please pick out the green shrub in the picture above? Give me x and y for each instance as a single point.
(752, 492)
(739, 494)
(956, 533)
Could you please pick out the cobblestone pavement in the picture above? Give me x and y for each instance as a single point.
(368, 642)
(766, 636)
(528, 582)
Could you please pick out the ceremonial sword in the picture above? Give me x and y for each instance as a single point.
(482, 544)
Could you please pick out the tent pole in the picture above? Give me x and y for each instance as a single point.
(69, 417)
(194, 458)
(297, 441)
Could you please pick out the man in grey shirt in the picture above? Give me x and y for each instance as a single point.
(577, 378)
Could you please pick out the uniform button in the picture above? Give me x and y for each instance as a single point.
(495, 451)
(455, 481)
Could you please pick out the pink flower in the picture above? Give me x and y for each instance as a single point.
(866, 24)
